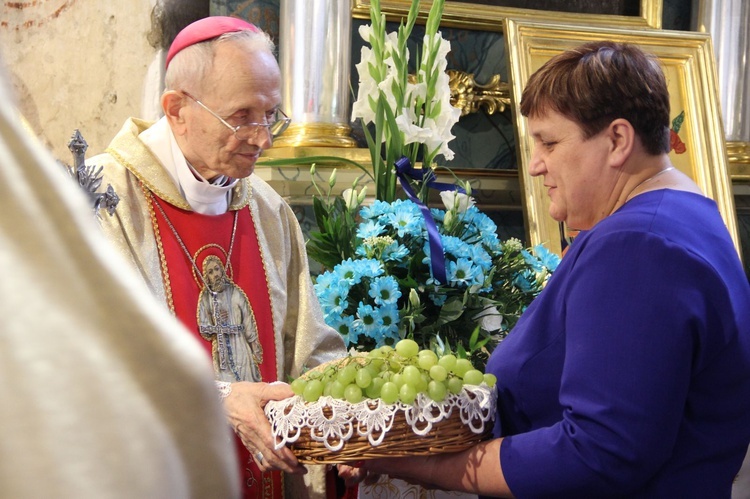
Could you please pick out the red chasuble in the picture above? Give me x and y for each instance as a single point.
(203, 236)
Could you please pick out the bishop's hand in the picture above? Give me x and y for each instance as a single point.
(244, 407)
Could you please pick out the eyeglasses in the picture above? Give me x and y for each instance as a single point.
(276, 124)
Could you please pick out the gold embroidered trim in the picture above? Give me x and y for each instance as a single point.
(180, 203)
(241, 195)
(266, 482)
(268, 284)
(162, 258)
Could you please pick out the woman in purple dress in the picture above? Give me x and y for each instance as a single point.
(629, 375)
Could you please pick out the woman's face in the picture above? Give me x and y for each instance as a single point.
(576, 170)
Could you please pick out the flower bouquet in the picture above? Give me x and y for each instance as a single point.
(387, 291)
(396, 268)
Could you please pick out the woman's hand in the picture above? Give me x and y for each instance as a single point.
(354, 474)
(476, 470)
(244, 407)
(370, 471)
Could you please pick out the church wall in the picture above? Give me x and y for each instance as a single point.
(76, 64)
(90, 64)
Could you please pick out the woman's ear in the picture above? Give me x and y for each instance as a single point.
(622, 141)
(174, 104)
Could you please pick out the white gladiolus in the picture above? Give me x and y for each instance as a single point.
(368, 89)
(412, 132)
(438, 127)
(422, 115)
(365, 31)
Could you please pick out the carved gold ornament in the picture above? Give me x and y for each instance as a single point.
(470, 96)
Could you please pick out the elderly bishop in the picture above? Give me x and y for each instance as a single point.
(191, 211)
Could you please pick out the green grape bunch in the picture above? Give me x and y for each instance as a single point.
(392, 374)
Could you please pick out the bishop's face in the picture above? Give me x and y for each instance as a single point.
(244, 86)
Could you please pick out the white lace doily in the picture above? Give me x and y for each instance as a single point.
(373, 418)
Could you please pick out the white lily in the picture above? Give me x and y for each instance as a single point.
(456, 200)
(350, 198)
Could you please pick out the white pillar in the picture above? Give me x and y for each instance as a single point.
(315, 56)
(728, 22)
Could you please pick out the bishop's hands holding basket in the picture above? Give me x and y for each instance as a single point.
(244, 410)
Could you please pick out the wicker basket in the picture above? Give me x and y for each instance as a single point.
(424, 428)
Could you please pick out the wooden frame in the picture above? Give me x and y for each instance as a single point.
(688, 61)
(460, 14)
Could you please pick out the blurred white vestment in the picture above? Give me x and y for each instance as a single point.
(102, 394)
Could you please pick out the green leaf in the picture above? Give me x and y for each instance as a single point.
(474, 337)
(677, 122)
(306, 160)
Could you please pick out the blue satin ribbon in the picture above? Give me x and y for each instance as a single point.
(404, 171)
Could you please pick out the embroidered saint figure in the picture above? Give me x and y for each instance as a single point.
(226, 319)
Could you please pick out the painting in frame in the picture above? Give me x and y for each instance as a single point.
(699, 149)
(491, 14)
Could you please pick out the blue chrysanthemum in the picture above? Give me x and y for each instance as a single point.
(368, 267)
(384, 290)
(404, 221)
(375, 210)
(532, 261)
(392, 249)
(525, 280)
(481, 258)
(547, 258)
(457, 247)
(462, 272)
(333, 299)
(370, 228)
(348, 271)
(368, 321)
(390, 317)
(345, 326)
(438, 298)
(438, 215)
(324, 280)
(396, 252)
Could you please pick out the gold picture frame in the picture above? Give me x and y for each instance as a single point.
(468, 15)
(689, 65)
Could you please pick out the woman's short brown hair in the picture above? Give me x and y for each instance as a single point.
(599, 82)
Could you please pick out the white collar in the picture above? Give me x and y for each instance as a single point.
(203, 196)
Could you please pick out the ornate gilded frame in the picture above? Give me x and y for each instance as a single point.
(486, 17)
(739, 161)
(689, 65)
